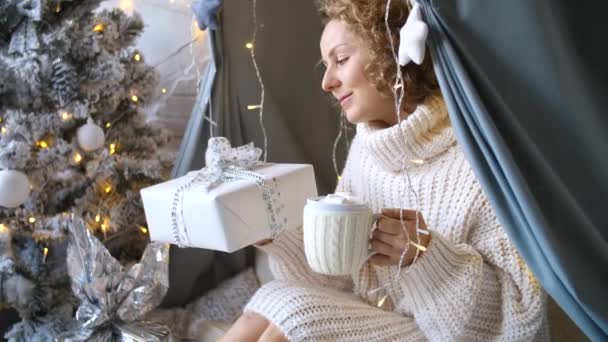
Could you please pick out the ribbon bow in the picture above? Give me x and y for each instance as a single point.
(413, 36)
(223, 164)
(220, 156)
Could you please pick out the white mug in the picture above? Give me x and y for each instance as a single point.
(336, 234)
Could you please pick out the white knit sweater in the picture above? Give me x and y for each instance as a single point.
(470, 284)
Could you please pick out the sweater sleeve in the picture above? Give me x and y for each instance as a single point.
(478, 291)
(320, 314)
(288, 262)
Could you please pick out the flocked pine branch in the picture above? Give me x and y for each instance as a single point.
(61, 64)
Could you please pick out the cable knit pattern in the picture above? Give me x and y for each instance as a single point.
(470, 284)
(336, 243)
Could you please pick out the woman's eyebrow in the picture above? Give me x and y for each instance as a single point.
(332, 52)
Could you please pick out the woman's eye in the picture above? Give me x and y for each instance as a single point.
(341, 61)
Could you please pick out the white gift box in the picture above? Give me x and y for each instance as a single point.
(230, 215)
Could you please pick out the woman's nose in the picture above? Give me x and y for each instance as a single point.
(329, 81)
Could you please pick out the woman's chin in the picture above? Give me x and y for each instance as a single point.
(354, 117)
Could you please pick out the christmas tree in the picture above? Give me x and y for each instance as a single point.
(72, 140)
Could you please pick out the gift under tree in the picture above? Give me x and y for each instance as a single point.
(72, 140)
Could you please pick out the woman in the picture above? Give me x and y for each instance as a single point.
(468, 283)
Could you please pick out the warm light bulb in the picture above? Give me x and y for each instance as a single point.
(77, 158)
(45, 252)
(66, 116)
(126, 5)
(98, 28)
(381, 302)
(252, 107)
(164, 90)
(43, 144)
(32, 219)
(58, 7)
(144, 230)
(3, 228)
(108, 125)
(134, 98)
(108, 188)
(420, 247)
(104, 228)
(112, 148)
(249, 45)
(97, 218)
(137, 57)
(3, 130)
(339, 178)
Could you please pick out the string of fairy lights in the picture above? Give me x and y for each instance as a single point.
(96, 134)
(398, 94)
(93, 137)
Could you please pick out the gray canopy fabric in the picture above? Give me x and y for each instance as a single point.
(300, 122)
(526, 87)
(523, 81)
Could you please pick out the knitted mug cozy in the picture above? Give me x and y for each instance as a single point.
(336, 236)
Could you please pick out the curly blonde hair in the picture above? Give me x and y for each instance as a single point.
(365, 18)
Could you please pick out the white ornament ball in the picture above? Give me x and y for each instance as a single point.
(14, 188)
(90, 136)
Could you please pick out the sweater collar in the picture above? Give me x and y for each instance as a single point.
(421, 136)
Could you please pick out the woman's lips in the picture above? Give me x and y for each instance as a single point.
(345, 98)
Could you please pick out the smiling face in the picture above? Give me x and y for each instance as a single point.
(345, 59)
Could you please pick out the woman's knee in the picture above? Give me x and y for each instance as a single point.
(249, 327)
(272, 334)
(254, 318)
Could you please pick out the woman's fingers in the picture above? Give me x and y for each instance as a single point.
(386, 225)
(263, 242)
(395, 227)
(381, 260)
(395, 241)
(383, 248)
(408, 215)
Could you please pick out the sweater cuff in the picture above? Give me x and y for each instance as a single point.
(291, 237)
(440, 275)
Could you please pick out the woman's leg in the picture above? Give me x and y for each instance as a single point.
(272, 334)
(249, 327)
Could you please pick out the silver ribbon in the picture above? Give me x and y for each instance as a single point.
(227, 164)
(115, 299)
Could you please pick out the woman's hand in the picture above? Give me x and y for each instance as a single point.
(389, 240)
(263, 242)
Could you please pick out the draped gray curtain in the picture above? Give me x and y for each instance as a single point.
(300, 123)
(526, 84)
